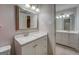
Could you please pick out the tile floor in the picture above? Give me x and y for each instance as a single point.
(63, 50)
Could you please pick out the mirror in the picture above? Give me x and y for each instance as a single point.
(65, 20)
(65, 23)
(25, 19)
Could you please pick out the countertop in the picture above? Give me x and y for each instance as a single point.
(29, 38)
(67, 31)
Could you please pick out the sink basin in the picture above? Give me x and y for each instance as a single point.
(21, 35)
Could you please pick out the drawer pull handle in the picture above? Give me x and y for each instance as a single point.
(35, 45)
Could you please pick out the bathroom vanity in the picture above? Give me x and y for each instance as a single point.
(68, 38)
(33, 44)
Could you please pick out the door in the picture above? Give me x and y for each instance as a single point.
(73, 40)
(28, 21)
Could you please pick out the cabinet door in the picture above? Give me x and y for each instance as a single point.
(44, 46)
(73, 40)
(58, 37)
(64, 38)
(41, 48)
(28, 49)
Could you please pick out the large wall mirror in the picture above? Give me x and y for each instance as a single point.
(65, 20)
(25, 19)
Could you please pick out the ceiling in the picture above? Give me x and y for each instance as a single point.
(60, 7)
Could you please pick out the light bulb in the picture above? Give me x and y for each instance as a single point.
(27, 5)
(60, 16)
(33, 8)
(37, 10)
(57, 17)
(67, 15)
(63, 16)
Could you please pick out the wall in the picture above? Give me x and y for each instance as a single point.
(46, 23)
(60, 7)
(7, 19)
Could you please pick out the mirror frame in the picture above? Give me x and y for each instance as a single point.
(16, 17)
(17, 20)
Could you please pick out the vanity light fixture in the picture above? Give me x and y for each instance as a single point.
(27, 5)
(63, 16)
(33, 7)
(37, 9)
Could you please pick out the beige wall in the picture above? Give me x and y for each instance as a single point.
(7, 23)
(47, 24)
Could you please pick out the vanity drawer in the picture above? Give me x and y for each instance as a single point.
(37, 47)
(28, 49)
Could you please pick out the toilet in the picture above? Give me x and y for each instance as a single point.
(5, 50)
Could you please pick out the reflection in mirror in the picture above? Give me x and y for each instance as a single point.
(65, 20)
(25, 19)
(66, 24)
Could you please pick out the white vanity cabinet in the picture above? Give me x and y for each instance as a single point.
(68, 38)
(38, 46)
